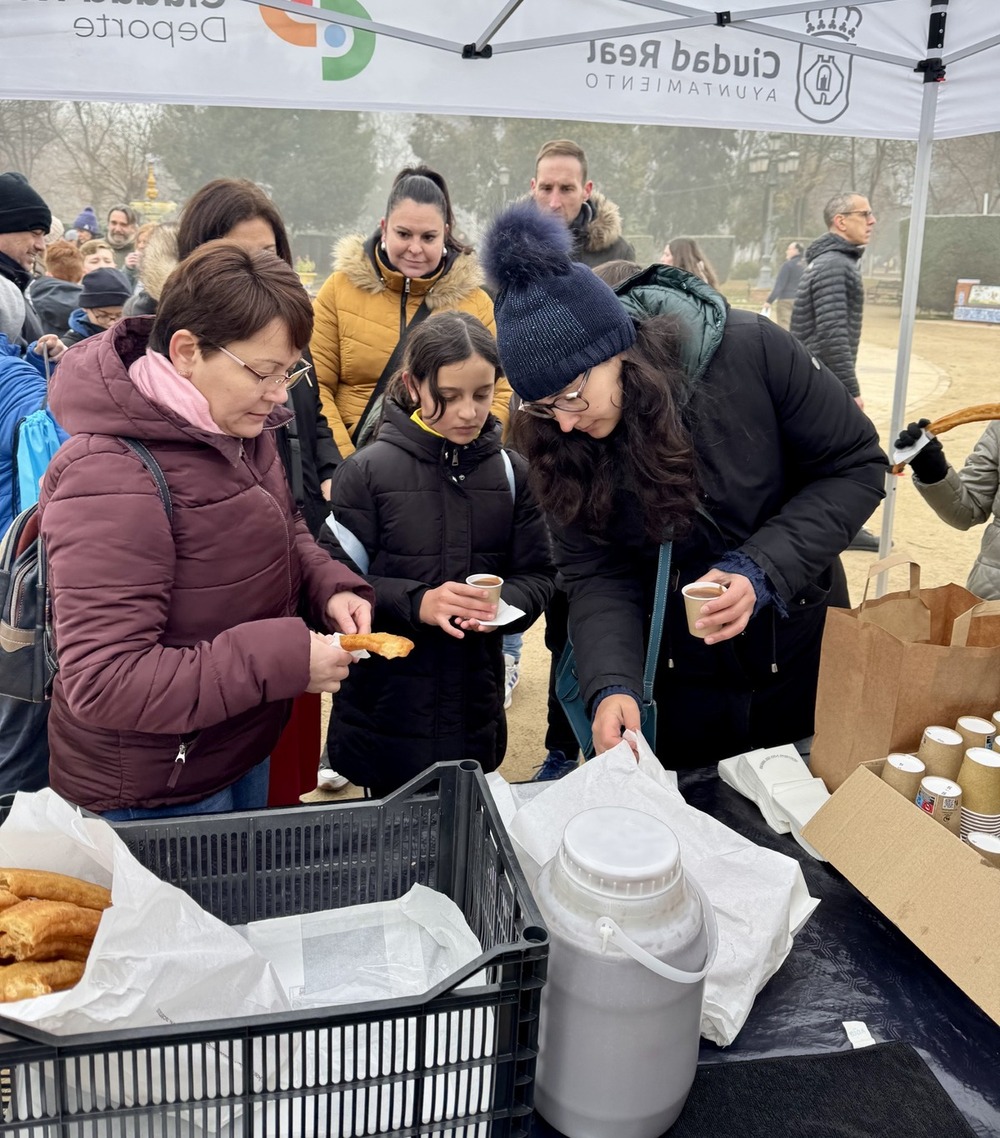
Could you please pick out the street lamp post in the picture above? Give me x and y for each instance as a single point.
(503, 177)
(773, 166)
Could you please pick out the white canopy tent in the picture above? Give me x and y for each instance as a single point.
(874, 68)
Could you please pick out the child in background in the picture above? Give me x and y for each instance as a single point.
(102, 297)
(97, 255)
(433, 500)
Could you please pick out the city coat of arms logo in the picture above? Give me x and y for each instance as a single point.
(824, 75)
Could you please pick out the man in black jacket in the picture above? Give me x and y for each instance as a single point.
(561, 186)
(24, 221)
(829, 303)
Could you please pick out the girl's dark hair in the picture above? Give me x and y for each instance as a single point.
(223, 293)
(213, 211)
(425, 186)
(649, 454)
(442, 339)
(614, 273)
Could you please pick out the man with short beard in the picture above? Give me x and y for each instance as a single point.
(123, 223)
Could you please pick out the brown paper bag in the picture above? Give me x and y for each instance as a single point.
(883, 677)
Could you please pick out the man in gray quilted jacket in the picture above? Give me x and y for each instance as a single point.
(829, 303)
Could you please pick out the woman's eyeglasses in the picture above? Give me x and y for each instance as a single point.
(571, 401)
(280, 379)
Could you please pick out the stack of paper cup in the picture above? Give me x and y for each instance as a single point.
(975, 732)
(942, 799)
(941, 751)
(903, 773)
(979, 777)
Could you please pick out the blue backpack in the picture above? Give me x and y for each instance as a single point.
(37, 437)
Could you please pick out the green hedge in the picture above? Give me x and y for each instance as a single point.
(955, 246)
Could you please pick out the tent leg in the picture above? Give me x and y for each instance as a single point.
(908, 312)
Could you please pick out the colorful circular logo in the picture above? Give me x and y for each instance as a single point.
(347, 51)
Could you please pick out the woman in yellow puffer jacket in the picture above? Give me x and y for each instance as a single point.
(411, 264)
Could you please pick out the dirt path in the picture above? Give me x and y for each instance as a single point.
(952, 366)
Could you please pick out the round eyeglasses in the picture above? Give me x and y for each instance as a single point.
(285, 379)
(571, 401)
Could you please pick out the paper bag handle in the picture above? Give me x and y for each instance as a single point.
(960, 628)
(609, 929)
(890, 562)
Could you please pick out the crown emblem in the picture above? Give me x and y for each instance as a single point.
(840, 21)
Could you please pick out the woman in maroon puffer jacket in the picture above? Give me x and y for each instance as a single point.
(180, 640)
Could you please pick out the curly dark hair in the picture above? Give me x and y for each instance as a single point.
(576, 478)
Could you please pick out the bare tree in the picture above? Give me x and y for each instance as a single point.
(105, 146)
(26, 131)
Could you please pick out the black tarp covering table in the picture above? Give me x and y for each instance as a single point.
(850, 963)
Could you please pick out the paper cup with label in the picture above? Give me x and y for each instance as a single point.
(975, 732)
(979, 777)
(488, 581)
(695, 596)
(903, 773)
(942, 799)
(941, 751)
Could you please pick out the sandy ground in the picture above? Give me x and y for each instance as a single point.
(951, 367)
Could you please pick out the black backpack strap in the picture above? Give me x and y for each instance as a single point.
(390, 369)
(153, 467)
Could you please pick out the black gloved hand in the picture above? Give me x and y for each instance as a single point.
(929, 464)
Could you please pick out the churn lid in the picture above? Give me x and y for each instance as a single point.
(618, 852)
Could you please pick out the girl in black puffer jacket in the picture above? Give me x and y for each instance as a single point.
(433, 500)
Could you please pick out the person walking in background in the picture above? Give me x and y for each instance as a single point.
(381, 287)
(181, 644)
(685, 253)
(56, 294)
(561, 186)
(103, 294)
(782, 298)
(830, 301)
(433, 499)
(630, 405)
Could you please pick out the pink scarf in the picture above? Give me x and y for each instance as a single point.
(161, 383)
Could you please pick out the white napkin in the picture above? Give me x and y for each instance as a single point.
(506, 614)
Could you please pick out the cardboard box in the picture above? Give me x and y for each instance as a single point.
(934, 887)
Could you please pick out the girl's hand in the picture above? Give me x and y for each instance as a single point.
(348, 612)
(327, 665)
(727, 616)
(454, 606)
(614, 714)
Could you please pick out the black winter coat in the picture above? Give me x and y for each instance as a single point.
(308, 451)
(788, 468)
(829, 306)
(428, 511)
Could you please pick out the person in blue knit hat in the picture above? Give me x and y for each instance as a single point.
(86, 225)
(654, 412)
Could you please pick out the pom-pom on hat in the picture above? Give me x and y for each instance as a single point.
(104, 288)
(554, 318)
(87, 219)
(21, 208)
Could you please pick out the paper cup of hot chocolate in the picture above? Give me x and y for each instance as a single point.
(975, 732)
(941, 751)
(695, 596)
(488, 581)
(903, 773)
(979, 777)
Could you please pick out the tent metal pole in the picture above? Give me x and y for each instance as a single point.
(497, 23)
(908, 312)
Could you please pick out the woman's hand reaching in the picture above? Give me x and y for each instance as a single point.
(348, 612)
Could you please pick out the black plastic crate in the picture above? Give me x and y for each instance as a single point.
(458, 1062)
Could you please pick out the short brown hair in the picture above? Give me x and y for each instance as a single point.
(64, 261)
(220, 205)
(563, 148)
(223, 293)
(94, 246)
